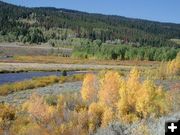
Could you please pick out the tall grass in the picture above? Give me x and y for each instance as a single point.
(6, 89)
(70, 60)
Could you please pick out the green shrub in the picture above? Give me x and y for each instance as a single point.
(124, 52)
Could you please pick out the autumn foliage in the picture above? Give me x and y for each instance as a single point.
(38, 108)
(173, 67)
(128, 99)
(89, 88)
(169, 69)
(107, 97)
(140, 99)
(109, 89)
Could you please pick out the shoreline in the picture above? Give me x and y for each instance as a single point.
(55, 67)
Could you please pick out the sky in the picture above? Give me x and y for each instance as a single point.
(157, 10)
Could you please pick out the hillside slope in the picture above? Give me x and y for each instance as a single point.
(22, 22)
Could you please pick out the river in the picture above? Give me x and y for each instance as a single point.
(16, 77)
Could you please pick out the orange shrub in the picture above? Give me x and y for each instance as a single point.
(109, 89)
(89, 88)
(108, 116)
(38, 109)
(95, 114)
(141, 99)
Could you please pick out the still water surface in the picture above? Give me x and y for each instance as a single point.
(15, 77)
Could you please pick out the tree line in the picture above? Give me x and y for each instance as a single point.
(124, 52)
(85, 25)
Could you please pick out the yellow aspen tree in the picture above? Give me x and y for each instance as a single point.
(89, 88)
(95, 113)
(66, 128)
(145, 100)
(125, 107)
(178, 63)
(151, 100)
(132, 87)
(128, 97)
(108, 116)
(82, 117)
(162, 70)
(109, 89)
(140, 100)
(165, 103)
(173, 67)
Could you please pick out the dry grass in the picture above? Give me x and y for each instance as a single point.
(175, 96)
(6, 89)
(69, 60)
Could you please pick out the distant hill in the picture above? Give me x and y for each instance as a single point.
(17, 22)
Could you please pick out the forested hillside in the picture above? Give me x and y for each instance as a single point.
(36, 25)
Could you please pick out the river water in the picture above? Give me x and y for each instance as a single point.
(16, 77)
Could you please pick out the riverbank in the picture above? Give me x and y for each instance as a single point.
(56, 67)
(9, 88)
(20, 97)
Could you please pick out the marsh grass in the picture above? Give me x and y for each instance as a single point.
(6, 89)
(70, 60)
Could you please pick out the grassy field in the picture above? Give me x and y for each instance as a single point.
(56, 63)
(24, 67)
(69, 60)
(13, 49)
